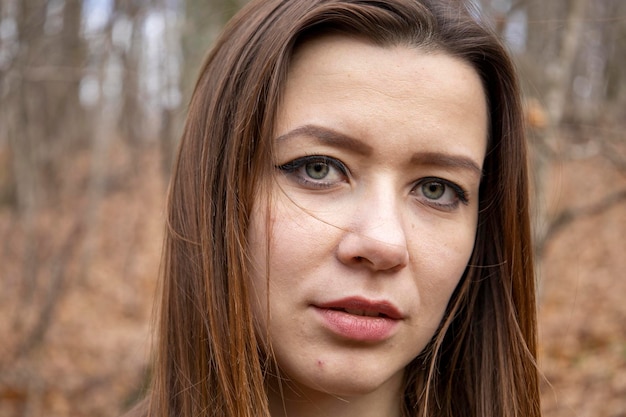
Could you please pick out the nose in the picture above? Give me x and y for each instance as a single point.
(376, 237)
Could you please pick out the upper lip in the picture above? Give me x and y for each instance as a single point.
(384, 308)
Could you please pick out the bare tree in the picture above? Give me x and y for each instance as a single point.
(43, 120)
(570, 59)
(202, 23)
(128, 16)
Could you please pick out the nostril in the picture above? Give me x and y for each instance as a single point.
(361, 250)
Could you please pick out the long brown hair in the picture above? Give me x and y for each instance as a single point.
(207, 362)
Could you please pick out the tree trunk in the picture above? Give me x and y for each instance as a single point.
(131, 116)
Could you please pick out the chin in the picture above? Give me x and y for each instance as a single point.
(348, 385)
(352, 388)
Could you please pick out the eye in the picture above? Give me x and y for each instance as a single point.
(315, 171)
(433, 190)
(440, 193)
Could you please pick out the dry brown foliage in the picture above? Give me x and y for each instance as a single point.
(75, 339)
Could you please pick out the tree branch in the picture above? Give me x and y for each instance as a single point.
(566, 217)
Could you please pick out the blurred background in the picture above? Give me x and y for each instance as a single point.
(92, 98)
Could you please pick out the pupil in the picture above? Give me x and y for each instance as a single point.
(433, 190)
(317, 170)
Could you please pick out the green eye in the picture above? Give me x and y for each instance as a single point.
(317, 170)
(439, 193)
(433, 190)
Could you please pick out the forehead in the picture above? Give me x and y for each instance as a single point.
(325, 46)
(343, 81)
(364, 61)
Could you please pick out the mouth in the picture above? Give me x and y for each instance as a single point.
(358, 306)
(364, 313)
(360, 320)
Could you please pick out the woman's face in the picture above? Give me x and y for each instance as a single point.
(372, 215)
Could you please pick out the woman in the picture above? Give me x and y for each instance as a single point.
(348, 226)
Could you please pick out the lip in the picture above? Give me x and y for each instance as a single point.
(359, 319)
(383, 308)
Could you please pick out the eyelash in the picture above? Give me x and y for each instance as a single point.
(459, 192)
(294, 166)
(299, 163)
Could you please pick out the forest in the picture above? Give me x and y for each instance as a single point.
(93, 96)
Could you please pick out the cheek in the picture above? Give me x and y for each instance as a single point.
(299, 239)
(258, 269)
(440, 263)
(275, 242)
(437, 291)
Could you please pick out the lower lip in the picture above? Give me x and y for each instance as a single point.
(358, 328)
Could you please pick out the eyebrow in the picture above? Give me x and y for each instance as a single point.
(341, 140)
(447, 161)
(329, 137)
